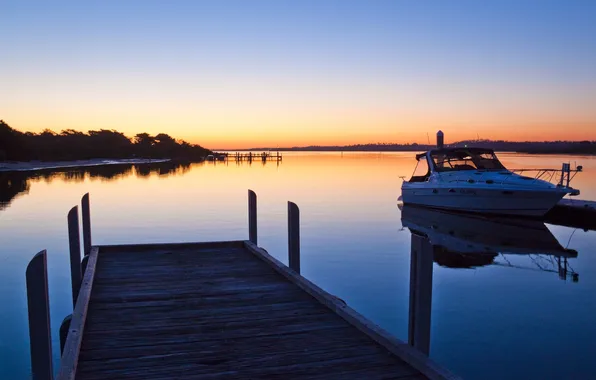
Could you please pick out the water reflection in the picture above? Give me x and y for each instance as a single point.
(11, 185)
(469, 241)
(16, 183)
(263, 160)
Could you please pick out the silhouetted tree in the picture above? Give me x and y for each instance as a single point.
(103, 143)
(12, 143)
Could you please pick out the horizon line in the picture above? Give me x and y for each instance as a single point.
(485, 141)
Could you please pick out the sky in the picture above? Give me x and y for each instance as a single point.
(239, 74)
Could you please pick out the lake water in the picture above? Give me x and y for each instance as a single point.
(509, 316)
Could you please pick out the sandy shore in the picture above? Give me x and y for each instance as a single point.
(41, 165)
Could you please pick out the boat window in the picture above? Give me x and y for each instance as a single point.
(464, 159)
(421, 172)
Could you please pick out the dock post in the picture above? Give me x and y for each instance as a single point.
(84, 265)
(38, 307)
(86, 224)
(294, 237)
(252, 217)
(64, 326)
(421, 281)
(74, 242)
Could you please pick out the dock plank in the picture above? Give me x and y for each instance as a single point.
(216, 311)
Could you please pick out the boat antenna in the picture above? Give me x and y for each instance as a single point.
(428, 138)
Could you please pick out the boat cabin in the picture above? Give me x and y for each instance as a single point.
(454, 159)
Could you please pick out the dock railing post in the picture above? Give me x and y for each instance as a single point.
(74, 242)
(84, 265)
(64, 327)
(86, 223)
(421, 277)
(38, 307)
(252, 217)
(294, 237)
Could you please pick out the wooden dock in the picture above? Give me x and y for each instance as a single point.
(211, 311)
(575, 213)
(248, 156)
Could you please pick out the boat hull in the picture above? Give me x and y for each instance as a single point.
(489, 201)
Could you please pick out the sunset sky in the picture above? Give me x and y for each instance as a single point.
(238, 74)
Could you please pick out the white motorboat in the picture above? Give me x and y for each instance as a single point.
(474, 180)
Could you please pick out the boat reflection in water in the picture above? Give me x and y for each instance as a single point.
(467, 241)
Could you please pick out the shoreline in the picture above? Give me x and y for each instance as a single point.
(290, 150)
(22, 166)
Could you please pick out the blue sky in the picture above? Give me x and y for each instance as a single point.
(306, 71)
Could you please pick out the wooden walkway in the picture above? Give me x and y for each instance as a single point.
(214, 311)
(206, 311)
(247, 156)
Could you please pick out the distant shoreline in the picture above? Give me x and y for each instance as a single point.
(529, 147)
(347, 150)
(45, 165)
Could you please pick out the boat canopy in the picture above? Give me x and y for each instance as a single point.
(449, 159)
(461, 151)
(456, 152)
(421, 155)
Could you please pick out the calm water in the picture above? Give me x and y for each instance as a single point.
(510, 316)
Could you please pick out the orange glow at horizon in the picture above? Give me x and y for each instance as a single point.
(225, 135)
(241, 112)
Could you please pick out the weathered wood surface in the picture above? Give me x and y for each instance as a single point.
(413, 357)
(72, 347)
(214, 311)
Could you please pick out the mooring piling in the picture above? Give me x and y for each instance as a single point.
(252, 217)
(294, 237)
(421, 277)
(74, 242)
(64, 326)
(38, 307)
(85, 209)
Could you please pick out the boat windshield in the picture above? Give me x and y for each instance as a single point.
(421, 172)
(465, 159)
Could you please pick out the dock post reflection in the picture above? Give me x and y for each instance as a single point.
(421, 281)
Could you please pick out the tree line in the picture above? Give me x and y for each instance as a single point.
(546, 147)
(74, 145)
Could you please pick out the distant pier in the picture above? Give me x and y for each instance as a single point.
(246, 157)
